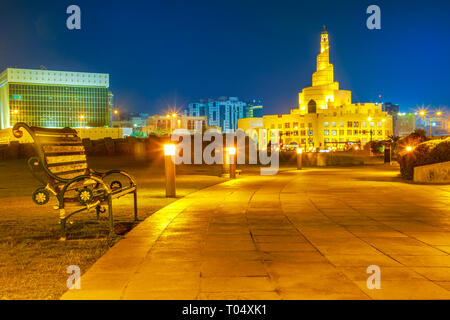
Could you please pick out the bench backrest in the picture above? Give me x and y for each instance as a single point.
(61, 151)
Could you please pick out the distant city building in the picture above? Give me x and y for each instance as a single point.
(224, 112)
(393, 110)
(326, 117)
(130, 120)
(405, 124)
(164, 124)
(48, 98)
(433, 123)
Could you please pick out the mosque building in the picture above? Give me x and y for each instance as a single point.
(326, 118)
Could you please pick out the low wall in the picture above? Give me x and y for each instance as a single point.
(6, 135)
(434, 173)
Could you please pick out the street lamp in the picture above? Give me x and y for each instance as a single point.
(409, 148)
(169, 165)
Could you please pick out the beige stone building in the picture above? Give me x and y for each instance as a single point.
(326, 116)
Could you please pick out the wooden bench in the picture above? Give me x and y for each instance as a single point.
(61, 167)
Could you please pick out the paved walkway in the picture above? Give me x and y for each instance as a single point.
(297, 235)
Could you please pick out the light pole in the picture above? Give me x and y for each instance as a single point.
(299, 158)
(169, 166)
(232, 155)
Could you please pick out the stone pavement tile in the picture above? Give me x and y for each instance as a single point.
(179, 244)
(115, 264)
(232, 268)
(280, 238)
(261, 295)
(231, 245)
(169, 266)
(434, 273)
(409, 226)
(350, 248)
(444, 284)
(406, 290)
(444, 248)
(289, 247)
(433, 238)
(294, 257)
(147, 282)
(241, 255)
(331, 286)
(423, 261)
(287, 231)
(175, 254)
(378, 234)
(92, 295)
(301, 271)
(387, 273)
(236, 284)
(351, 260)
(104, 281)
(161, 295)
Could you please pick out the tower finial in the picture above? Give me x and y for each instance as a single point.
(324, 28)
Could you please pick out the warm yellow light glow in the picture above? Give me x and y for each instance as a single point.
(232, 151)
(169, 149)
(174, 115)
(81, 117)
(16, 111)
(356, 148)
(383, 120)
(422, 112)
(299, 150)
(303, 108)
(369, 118)
(168, 116)
(439, 113)
(116, 111)
(409, 148)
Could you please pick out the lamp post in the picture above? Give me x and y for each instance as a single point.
(232, 155)
(169, 166)
(299, 158)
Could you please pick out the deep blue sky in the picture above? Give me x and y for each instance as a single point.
(173, 51)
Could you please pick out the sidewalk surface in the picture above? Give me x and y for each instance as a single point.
(297, 235)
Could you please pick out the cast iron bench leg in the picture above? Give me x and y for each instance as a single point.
(110, 215)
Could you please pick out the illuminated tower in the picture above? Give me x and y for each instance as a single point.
(325, 73)
(324, 92)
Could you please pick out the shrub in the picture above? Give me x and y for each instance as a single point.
(429, 152)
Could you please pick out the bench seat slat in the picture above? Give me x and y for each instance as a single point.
(67, 168)
(63, 159)
(63, 149)
(46, 140)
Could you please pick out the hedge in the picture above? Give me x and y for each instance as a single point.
(429, 152)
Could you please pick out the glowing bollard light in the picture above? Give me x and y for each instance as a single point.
(299, 158)
(232, 154)
(169, 151)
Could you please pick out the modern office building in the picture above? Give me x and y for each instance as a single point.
(48, 98)
(394, 111)
(326, 116)
(224, 112)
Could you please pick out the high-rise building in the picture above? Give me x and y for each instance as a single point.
(326, 116)
(394, 111)
(224, 112)
(48, 98)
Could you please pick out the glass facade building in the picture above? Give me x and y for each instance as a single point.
(54, 99)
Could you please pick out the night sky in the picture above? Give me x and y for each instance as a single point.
(165, 53)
